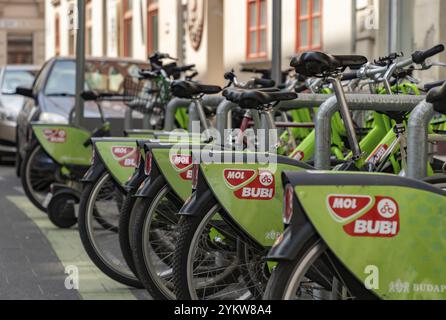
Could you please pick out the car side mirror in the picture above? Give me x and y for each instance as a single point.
(89, 96)
(26, 92)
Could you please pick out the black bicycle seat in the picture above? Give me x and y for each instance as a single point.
(437, 96)
(189, 89)
(317, 64)
(256, 99)
(432, 85)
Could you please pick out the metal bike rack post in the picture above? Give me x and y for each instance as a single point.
(304, 101)
(323, 133)
(209, 101)
(417, 142)
(171, 109)
(355, 102)
(80, 64)
(193, 114)
(223, 110)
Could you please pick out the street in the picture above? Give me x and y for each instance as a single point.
(34, 254)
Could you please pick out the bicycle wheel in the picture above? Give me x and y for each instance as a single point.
(98, 220)
(208, 262)
(153, 236)
(125, 217)
(37, 174)
(314, 275)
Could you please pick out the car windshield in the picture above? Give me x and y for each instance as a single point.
(100, 76)
(17, 78)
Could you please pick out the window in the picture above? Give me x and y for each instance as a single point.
(100, 76)
(16, 78)
(72, 42)
(257, 29)
(20, 48)
(128, 32)
(57, 35)
(152, 26)
(88, 28)
(309, 25)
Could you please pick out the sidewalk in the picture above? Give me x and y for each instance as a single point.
(34, 254)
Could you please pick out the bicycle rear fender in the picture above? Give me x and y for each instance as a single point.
(175, 165)
(383, 228)
(251, 193)
(95, 171)
(64, 143)
(120, 157)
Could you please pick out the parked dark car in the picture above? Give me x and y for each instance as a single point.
(12, 77)
(52, 96)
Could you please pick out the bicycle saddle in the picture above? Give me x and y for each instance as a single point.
(432, 85)
(189, 89)
(317, 64)
(255, 99)
(437, 96)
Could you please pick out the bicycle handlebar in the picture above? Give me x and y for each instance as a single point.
(104, 96)
(349, 76)
(301, 88)
(420, 57)
(254, 70)
(148, 74)
(185, 68)
(264, 83)
(160, 56)
(429, 86)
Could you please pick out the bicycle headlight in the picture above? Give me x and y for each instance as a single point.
(48, 117)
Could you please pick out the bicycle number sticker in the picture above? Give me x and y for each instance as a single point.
(381, 221)
(299, 156)
(376, 156)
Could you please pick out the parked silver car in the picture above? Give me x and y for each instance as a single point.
(12, 77)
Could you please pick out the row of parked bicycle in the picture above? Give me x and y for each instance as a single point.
(152, 215)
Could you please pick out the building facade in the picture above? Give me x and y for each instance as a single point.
(22, 32)
(219, 35)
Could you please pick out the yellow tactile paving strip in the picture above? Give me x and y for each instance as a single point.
(93, 284)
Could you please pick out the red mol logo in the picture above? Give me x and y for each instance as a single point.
(183, 165)
(127, 157)
(55, 135)
(187, 175)
(236, 178)
(121, 152)
(251, 185)
(181, 162)
(345, 207)
(380, 221)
